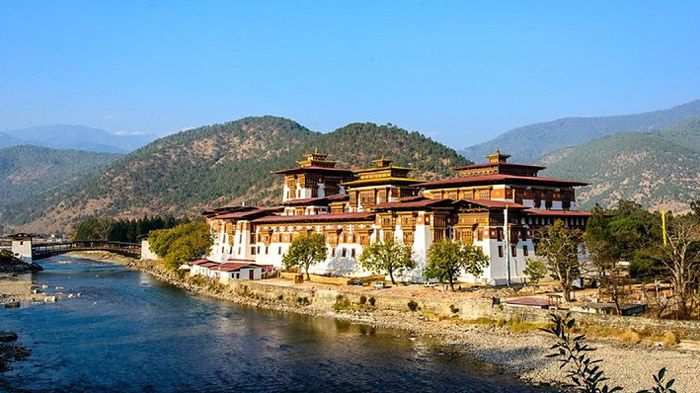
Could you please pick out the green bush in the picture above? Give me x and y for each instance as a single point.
(363, 299)
(341, 303)
(453, 309)
(412, 305)
(372, 300)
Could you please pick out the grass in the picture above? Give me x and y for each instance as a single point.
(514, 324)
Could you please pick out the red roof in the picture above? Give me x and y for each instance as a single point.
(248, 213)
(199, 262)
(319, 200)
(313, 168)
(531, 301)
(411, 198)
(241, 260)
(488, 164)
(496, 204)
(571, 213)
(410, 204)
(499, 178)
(232, 267)
(328, 217)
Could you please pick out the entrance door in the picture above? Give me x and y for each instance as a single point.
(252, 274)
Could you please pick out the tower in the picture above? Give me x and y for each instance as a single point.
(22, 247)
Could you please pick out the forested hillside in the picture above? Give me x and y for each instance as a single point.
(529, 143)
(28, 171)
(655, 169)
(222, 164)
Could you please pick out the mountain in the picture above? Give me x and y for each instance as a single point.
(528, 143)
(656, 169)
(27, 171)
(222, 164)
(7, 141)
(76, 137)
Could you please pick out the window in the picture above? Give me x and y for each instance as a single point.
(513, 251)
(480, 235)
(500, 251)
(279, 250)
(333, 252)
(352, 253)
(252, 250)
(525, 251)
(345, 251)
(267, 250)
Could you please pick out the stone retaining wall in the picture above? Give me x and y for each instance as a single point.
(322, 300)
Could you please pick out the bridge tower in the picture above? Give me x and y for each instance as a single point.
(22, 247)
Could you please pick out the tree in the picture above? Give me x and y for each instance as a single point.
(559, 245)
(447, 259)
(695, 208)
(181, 244)
(681, 261)
(388, 256)
(604, 252)
(92, 229)
(305, 251)
(535, 270)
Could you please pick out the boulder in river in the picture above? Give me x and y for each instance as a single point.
(7, 337)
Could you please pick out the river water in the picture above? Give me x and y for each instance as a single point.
(129, 332)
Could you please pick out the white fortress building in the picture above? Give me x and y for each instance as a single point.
(495, 205)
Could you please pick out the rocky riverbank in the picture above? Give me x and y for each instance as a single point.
(11, 265)
(522, 352)
(9, 351)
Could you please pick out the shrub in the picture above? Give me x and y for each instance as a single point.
(669, 339)
(630, 336)
(412, 305)
(453, 309)
(280, 297)
(303, 301)
(363, 299)
(341, 303)
(372, 300)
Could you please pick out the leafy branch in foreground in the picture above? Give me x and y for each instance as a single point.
(584, 372)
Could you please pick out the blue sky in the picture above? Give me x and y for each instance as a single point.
(461, 72)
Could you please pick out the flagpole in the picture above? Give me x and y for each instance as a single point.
(663, 225)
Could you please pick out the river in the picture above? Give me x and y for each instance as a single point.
(129, 332)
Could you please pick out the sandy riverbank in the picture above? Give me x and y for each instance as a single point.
(522, 353)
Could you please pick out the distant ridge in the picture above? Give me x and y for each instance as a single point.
(62, 136)
(7, 140)
(656, 169)
(28, 171)
(528, 143)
